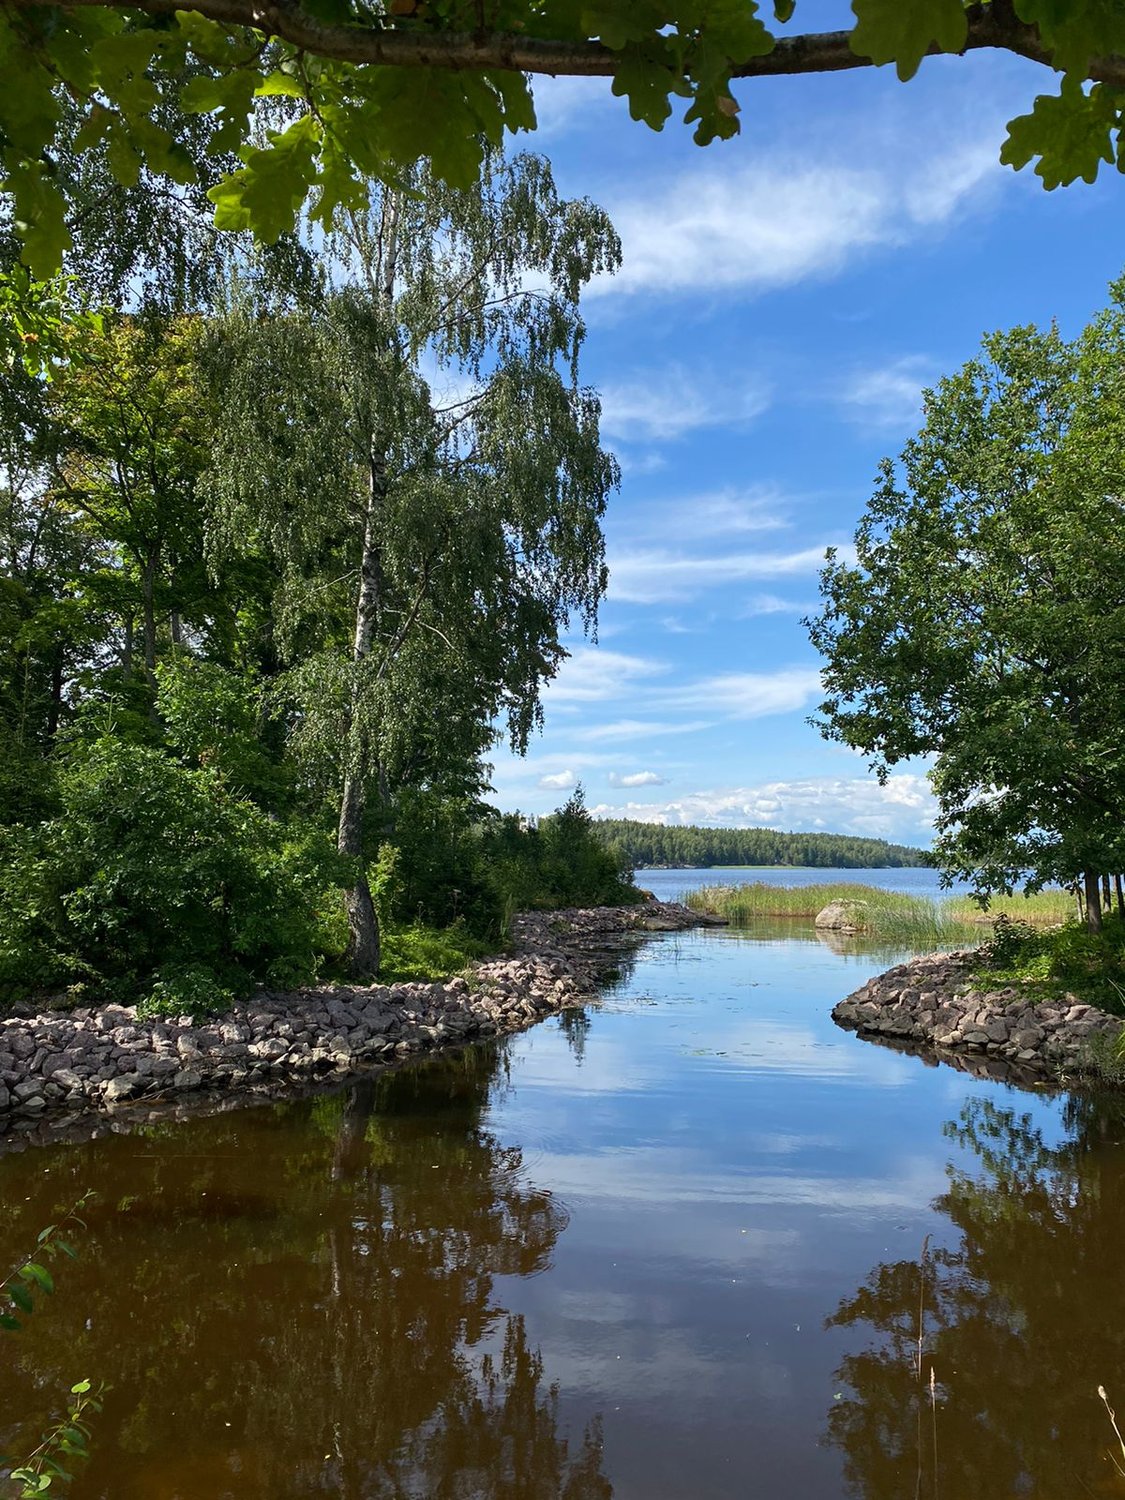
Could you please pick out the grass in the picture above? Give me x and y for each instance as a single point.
(890, 915)
(428, 953)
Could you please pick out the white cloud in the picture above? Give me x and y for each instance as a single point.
(889, 398)
(749, 695)
(902, 809)
(638, 778)
(665, 404)
(591, 675)
(640, 729)
(773, 604)
(658, 575)
(561, 781)
(784, 217)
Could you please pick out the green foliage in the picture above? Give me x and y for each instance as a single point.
(463, 866)
(159, 94)
(429, 953)
(68, 1439)
(982, 622)
(686, 846)
(1068, 960)
(158, 876)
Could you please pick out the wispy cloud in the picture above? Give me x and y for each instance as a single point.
(904, 808)
(774, 604)
(592, 675)
(667, 403)
(660, 576)
(775, 222)
(749, 695)
(888, 399)
(638, 778)
(640, 729)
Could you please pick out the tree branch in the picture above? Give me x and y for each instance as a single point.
(993, 25)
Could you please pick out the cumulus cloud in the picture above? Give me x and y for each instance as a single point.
(561, 781)
(902, 809)
(665, 404)
(637, 778)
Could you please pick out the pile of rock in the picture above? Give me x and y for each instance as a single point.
(77, 1060)
(933, 1001)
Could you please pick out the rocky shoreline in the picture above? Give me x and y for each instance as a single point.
(57, 1067)
(932, 1002)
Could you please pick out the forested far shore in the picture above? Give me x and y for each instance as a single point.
(690, 846)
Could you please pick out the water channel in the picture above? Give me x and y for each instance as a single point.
(680, 1244)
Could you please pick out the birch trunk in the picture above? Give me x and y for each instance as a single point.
(363, 921)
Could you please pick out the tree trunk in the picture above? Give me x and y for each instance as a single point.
(1120, 897)
(1107, 896)
(363, 921)
(148, 591)
(1093, 901)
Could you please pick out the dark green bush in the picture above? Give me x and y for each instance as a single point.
(158, 875)
(1062, 960)
(459, 863)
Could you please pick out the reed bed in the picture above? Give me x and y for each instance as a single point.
(891, 915)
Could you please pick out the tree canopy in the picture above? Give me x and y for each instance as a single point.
(982, 619)
(687, 846)
(309, 101)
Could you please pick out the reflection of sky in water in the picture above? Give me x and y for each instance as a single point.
(733, 1164)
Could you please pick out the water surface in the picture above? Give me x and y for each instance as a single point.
(670, 1246)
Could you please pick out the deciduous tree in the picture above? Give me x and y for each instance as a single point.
(983, 619)
(373, 88)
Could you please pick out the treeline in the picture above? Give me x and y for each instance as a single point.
(654, 844)
(266, 594)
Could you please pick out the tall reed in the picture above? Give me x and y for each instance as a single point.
(892, 915)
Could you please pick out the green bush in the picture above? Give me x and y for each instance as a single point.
(460, 863)
(1063, 960)
(157, 877)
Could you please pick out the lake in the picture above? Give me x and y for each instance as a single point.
(682, 1243)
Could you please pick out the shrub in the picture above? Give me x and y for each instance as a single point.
(155, 874)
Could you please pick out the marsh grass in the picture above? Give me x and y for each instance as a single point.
(889, 915)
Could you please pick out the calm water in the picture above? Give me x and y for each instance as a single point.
(665, 1248)
(673, 885)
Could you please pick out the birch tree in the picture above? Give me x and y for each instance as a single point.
(417, 453)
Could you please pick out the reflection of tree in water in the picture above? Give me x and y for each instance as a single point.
(574, 1023)
(304, 1303)
(1023, 1317)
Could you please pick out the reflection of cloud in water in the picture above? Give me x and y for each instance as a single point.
(656, 1176)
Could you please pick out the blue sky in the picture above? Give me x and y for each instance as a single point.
(783, 300)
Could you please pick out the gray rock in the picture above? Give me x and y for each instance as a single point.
(126, 1086)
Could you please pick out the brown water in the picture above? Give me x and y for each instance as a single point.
(668, 1247)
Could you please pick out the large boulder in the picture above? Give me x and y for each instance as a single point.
(843, 916)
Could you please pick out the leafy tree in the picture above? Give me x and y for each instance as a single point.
(128, 421)
(982, 621)
(361, 91)
(432, 549)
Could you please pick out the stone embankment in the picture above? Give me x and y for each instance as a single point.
(57, 1064)
(933, 1002)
